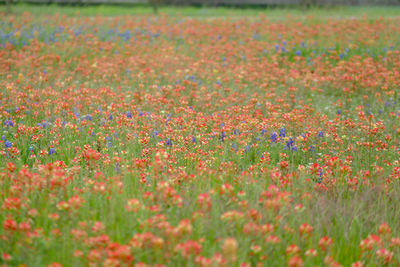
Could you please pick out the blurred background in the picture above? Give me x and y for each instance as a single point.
(216, 2)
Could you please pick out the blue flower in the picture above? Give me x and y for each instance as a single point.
(52, 151)
(8, 122)
(129, 115)
(193, 139)
(298, 53)
(7, 144)
(168, 143)
(236, 132)
(282, 132)
(110, 117)
(247, 148)
(88, 117)
(235, 147)
(274, 137)
(290, 142)
(3, 137)
(223, 135)
(321, 134)
(263, 131)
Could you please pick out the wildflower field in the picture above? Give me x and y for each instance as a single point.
(190, 141)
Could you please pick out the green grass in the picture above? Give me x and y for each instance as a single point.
(272, 12)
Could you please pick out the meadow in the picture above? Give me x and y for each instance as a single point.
(209, 138)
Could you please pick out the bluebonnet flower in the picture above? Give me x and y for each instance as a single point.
(339, 112)
(155, 133)
(7, 144)
(236, 132)
(321, 134)
(223, 135)
(3, 137)
(110, 117)
(235, 147)
(168, 143)
(290, 142)
(282, 132)
(247, 148)
(320, 175)
(8, 122)
(294, 148)
(116, 168)
(193, 139)
(108, 138)
(52, 151)
(140, 113)
(298, 53)
(274, 137)
(88, 117)
(263, 131)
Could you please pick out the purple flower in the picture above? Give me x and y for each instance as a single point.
(168, 143)
(7, 144)
(263, 131)
(282, 132)
(223, 135)
(290, 142)
(274, 137)
(52, 151)
(9, 122)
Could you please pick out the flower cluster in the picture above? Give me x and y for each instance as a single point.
(199, 142)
